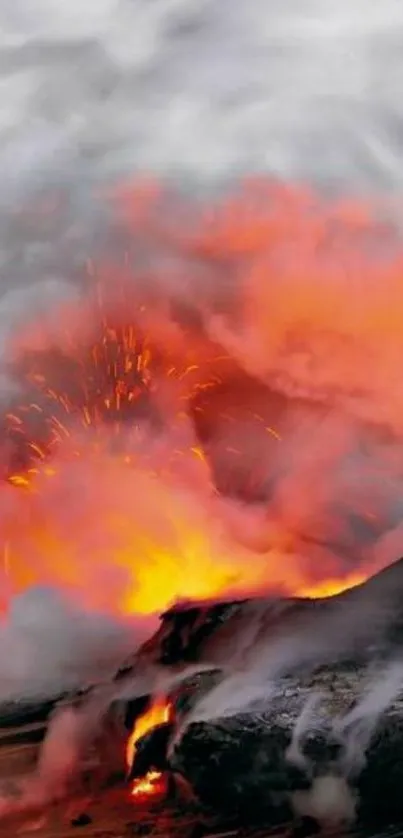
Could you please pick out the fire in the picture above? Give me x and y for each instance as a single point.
(151, 784)
(161, 711)
(202, 422)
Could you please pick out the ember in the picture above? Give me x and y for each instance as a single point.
(161, 711)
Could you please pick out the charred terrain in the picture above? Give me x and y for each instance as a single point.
(245, 744)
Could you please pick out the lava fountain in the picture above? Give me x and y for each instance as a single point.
(219, 413)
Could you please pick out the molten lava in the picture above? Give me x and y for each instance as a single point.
(161, 711)
(151, 784)
(219, 414)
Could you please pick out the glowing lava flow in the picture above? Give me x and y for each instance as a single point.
(151, 784)
(160, 711)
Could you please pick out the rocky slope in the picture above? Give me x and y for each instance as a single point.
(357, 623)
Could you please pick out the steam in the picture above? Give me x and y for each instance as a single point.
(294, 753)
(330, 802)
(59, 758)
(49, 644)
(356, 728)
(64, 756)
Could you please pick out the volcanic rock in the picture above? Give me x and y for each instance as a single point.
(241, 766)
(237, 766)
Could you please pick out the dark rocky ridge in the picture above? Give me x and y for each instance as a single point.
(357, 624)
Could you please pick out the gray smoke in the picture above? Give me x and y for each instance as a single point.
(201, 90)
(191, 90)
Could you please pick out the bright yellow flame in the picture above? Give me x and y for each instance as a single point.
(162, 578)
(331, 587)
(148, 785)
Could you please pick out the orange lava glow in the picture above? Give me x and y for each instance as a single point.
(197, 425)
(331, 587)
(152, 783)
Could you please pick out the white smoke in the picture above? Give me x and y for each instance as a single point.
(305, 721)
(49, 645)
(356, 728)
(330, 802)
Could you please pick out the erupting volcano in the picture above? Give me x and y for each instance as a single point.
(218, 413)
(201, 419)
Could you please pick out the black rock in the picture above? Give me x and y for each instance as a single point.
(82, 820)
(380, 782)
(239, 766)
